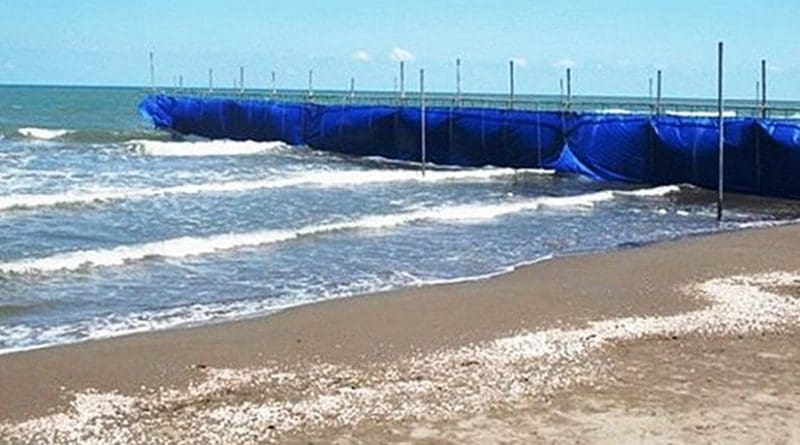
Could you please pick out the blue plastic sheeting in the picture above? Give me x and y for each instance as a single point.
(761, 156)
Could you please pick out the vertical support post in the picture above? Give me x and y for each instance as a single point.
(569, 87)
(310, 84)
(274, 86)
(720, 186)
(423, 141)
(511, 83)
(402, 80)
(241, 80)
(650, 93)
(152, 73)
(458, 82)
(210, 80)
(352, 89)
(561, 90)
(758, 98)
(658, 92)
(763, 88)
(759, 112)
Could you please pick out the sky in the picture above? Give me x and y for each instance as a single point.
(612, 46)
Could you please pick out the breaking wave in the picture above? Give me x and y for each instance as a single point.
(189, 246)
(44, 134)
(320, 178)
(204, 148)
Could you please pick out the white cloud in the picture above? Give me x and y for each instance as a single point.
(519, 61)
(772, 68)
(362, 56)
(400, 54)
(564, 63)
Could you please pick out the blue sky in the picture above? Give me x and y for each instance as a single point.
(614, 46)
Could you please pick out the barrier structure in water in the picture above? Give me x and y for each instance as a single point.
(762, 156)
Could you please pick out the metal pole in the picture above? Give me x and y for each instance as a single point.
(402, 80)
(511, 83)
(561, 89)
(241, 80)
(274, 86)
(310, 84)
(458, 81)
(423, 141)
(152, 73)
(650, 92)
(721, 136)
(763, 88)
(569, 87)
(658, 92)
(758, 97)
(352, 89)
(210, 80)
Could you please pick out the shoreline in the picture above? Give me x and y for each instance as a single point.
(501, 271)
(387, 327)
(288, 307)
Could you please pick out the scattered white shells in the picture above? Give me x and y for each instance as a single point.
(256, 405)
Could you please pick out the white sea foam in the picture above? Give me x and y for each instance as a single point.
(24, 337)
(204, 148)
(655, 191)
(44, 134)
(320, 178)
(194, 246)
(613, 111)
(725, 113)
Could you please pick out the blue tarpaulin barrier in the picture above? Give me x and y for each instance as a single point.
(762, 155)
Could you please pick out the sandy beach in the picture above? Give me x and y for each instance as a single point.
(691, 341)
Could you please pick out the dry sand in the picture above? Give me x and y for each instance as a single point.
(694, 341)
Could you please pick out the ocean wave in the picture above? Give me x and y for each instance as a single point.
(682, 113)
(655, 191)
(612, 111)
(321, 178)
(189, 246)
(44, 134)
(204, 148)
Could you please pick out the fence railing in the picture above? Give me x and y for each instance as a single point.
(593, 104)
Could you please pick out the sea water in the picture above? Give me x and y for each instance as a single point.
(107, 227)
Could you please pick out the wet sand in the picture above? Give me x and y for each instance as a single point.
(585, 349)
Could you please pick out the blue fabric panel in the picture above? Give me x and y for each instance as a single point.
(741, 156)
(780, 158)
(686, 151)
(613, 147)
(407, 134)
(469, 147)
(533, 138)
(762, 156)
(567, 162)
